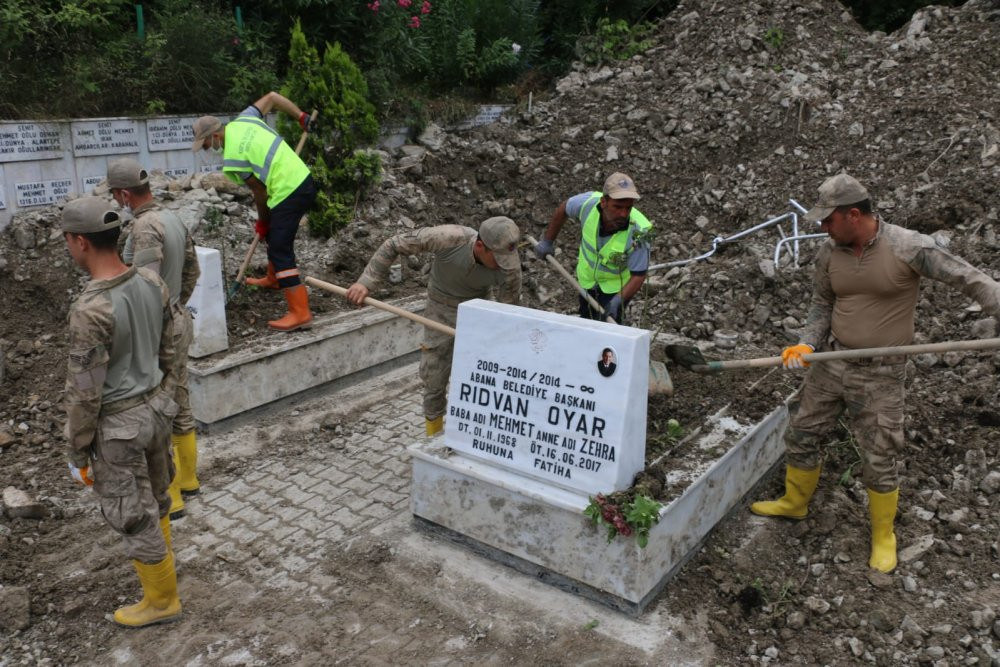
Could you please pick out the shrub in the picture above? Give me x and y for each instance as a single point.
(333, 85)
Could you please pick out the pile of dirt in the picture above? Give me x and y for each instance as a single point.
(740, 107)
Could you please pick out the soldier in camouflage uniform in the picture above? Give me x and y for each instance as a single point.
(119, 403)
(160, 242)
(867, 280)
(466, 266)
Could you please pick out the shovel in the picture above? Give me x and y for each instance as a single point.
(658, 384)
(238, 283)
(659, 378)
(690, 357)
(382, 305)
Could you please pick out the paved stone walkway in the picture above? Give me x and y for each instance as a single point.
(301, 549)
(289, 511)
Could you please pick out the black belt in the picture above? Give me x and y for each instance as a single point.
(114, 407)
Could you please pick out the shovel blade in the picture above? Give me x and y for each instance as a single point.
(233, 290)
(686, 356)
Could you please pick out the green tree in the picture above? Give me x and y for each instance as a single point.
(334, 86)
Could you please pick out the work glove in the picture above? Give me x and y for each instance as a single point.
(81, 475)
(544, 248)
(614, 307)
(261, 228)
(791, 357)
(306, 122)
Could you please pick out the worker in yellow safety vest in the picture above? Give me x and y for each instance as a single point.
(283, 190)
(614, 245)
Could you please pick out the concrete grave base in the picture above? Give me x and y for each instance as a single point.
(337, 350)
(541, 530)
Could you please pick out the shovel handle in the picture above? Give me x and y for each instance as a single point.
(572, 281)
(382, 305)
(246, 260)
(861, 353)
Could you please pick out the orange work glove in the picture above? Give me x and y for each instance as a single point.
(791, 357)
(81, 475)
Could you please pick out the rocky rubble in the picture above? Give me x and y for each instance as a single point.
(739, 108)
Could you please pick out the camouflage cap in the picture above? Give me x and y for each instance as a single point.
(840, 190)
(203, 128)
(87, 215)
(501, 235)
(620, 186)
(126, 173)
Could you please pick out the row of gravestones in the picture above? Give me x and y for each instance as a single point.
(43, 162)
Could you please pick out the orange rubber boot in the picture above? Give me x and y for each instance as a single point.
(298, 316)
(270, 281)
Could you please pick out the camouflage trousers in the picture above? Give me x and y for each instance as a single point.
(183, 336)
(435, 358)
(872, 397)
(132, 469)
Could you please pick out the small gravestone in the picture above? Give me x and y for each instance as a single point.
(552, 397)
(208, 306)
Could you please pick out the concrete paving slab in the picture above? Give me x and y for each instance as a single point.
(257, 555)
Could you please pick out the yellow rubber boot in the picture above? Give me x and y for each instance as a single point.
(176, 499)
(165, 529)
(160, 602)
(186, 462)
(270, 281)
(799, 488)
(434, 425)
(882, 508)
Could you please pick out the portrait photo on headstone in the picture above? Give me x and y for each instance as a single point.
(608, 362)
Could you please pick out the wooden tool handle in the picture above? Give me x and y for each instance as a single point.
(337, 289)
(572, 281)
(305, 133)
(246, 260)
(861, 353)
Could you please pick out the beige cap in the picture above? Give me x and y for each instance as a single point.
(87, 215)
(839, 190)
(501, 235)
(202, 128)
(126, 173)
(620, 186)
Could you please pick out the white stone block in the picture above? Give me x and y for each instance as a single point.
(208, 306)
(529, 393)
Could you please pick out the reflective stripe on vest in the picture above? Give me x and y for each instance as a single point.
(265, 155)
(607, 267)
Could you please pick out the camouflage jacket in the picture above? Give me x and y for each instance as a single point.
(159, 241)
(455, 274)
(120, 347)
(870, 301)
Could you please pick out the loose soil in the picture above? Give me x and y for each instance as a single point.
(720, 125)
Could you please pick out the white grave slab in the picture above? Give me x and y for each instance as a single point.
(29, 141)
(527, 394)
(169, 134)
(208, 306)
(42, 193)
(105, 137)
(177, 173)
(91, 182)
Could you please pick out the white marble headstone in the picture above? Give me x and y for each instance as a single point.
(530, 393)
(208, 306)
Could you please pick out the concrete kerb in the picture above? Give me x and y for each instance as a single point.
(551, 540)
(338, 352)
